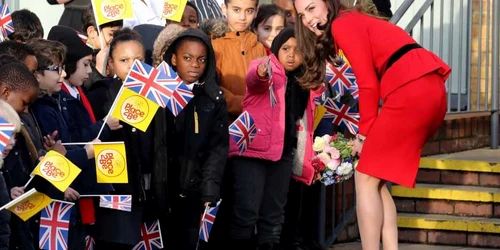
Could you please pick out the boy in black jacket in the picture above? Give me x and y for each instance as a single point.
(194, 144)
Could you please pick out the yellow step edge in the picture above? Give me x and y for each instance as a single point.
(445, 194)
(451, 223)
(459, 165)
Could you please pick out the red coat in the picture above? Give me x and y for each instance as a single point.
(368, 43)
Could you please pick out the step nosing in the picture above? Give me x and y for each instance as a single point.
(449, 222)
(448, 192)
(459, 165)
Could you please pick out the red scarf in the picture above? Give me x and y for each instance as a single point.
(84, 100)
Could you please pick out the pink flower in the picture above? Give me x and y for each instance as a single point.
(318, 165)
(335, 154)
(324, 157)
(333, 164)
(334, 137)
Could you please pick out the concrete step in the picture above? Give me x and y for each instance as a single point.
(449, 230)
(448, 200)
(476, 167)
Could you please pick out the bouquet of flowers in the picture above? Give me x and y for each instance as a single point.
(333, 161)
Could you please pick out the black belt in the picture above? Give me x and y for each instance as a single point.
(401, 52)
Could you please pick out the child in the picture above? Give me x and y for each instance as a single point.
(19, 88)
(291, 14)
(197, 140)
(235, 50)
(106, 31)
(8, 114)
(27, 26)
(267, 25)
(21, 52)
(78, 114)
(190, 17)
(262, 173)
(118, 229)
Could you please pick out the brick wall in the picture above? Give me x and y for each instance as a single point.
(481, 60)
(459, 134)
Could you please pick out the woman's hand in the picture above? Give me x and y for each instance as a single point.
(357, 145)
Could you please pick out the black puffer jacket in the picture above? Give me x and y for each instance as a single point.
(195, 158)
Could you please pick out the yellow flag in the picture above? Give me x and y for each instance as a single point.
(58, 170)
(134, 109)
(318, 115)
(342, 55)
(173, 9)
(111, 162)
(106, 11)
(28, 204)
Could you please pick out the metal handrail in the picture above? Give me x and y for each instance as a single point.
(420, 13)
(401, 11)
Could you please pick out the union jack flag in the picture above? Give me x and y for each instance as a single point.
(272, 96)
(341, 78)
(89, 243)
(151, 237)
(6, 131)
(54, 226)
(6, 25)
(117, 202)
(207, 221)
(150, 83)
(342, 115)
(243, 131)
(180, 98)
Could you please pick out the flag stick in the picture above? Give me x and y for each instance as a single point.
(25, 185)
(110, 110)
(199, 231)
(87, 143)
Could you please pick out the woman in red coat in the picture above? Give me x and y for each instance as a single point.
(389, 66)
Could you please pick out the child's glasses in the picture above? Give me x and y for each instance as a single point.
(57, 68)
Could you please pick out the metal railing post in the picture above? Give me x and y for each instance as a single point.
(494, 77)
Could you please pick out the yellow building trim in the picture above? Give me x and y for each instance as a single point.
(445, 194)
(459, 165)
(480, 226)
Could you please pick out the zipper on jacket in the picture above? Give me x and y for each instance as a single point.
(196, 128)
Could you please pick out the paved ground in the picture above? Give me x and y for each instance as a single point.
(357, 246)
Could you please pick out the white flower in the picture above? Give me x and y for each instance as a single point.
(344, 169)
(319, 144)
(327, 138)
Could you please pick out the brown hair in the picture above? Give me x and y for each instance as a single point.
(318, 50)
(48, 52)
(266, 11)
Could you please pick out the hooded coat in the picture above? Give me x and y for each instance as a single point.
(195, 157)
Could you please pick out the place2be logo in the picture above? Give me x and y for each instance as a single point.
(111, 163)
(134, 109)
(113, 9)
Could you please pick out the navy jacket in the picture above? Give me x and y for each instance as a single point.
(78, 121)
(50, 115)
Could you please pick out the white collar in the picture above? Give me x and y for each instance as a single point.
(191, 86)
(72, 90)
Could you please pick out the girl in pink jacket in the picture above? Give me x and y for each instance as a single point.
(282, 143)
